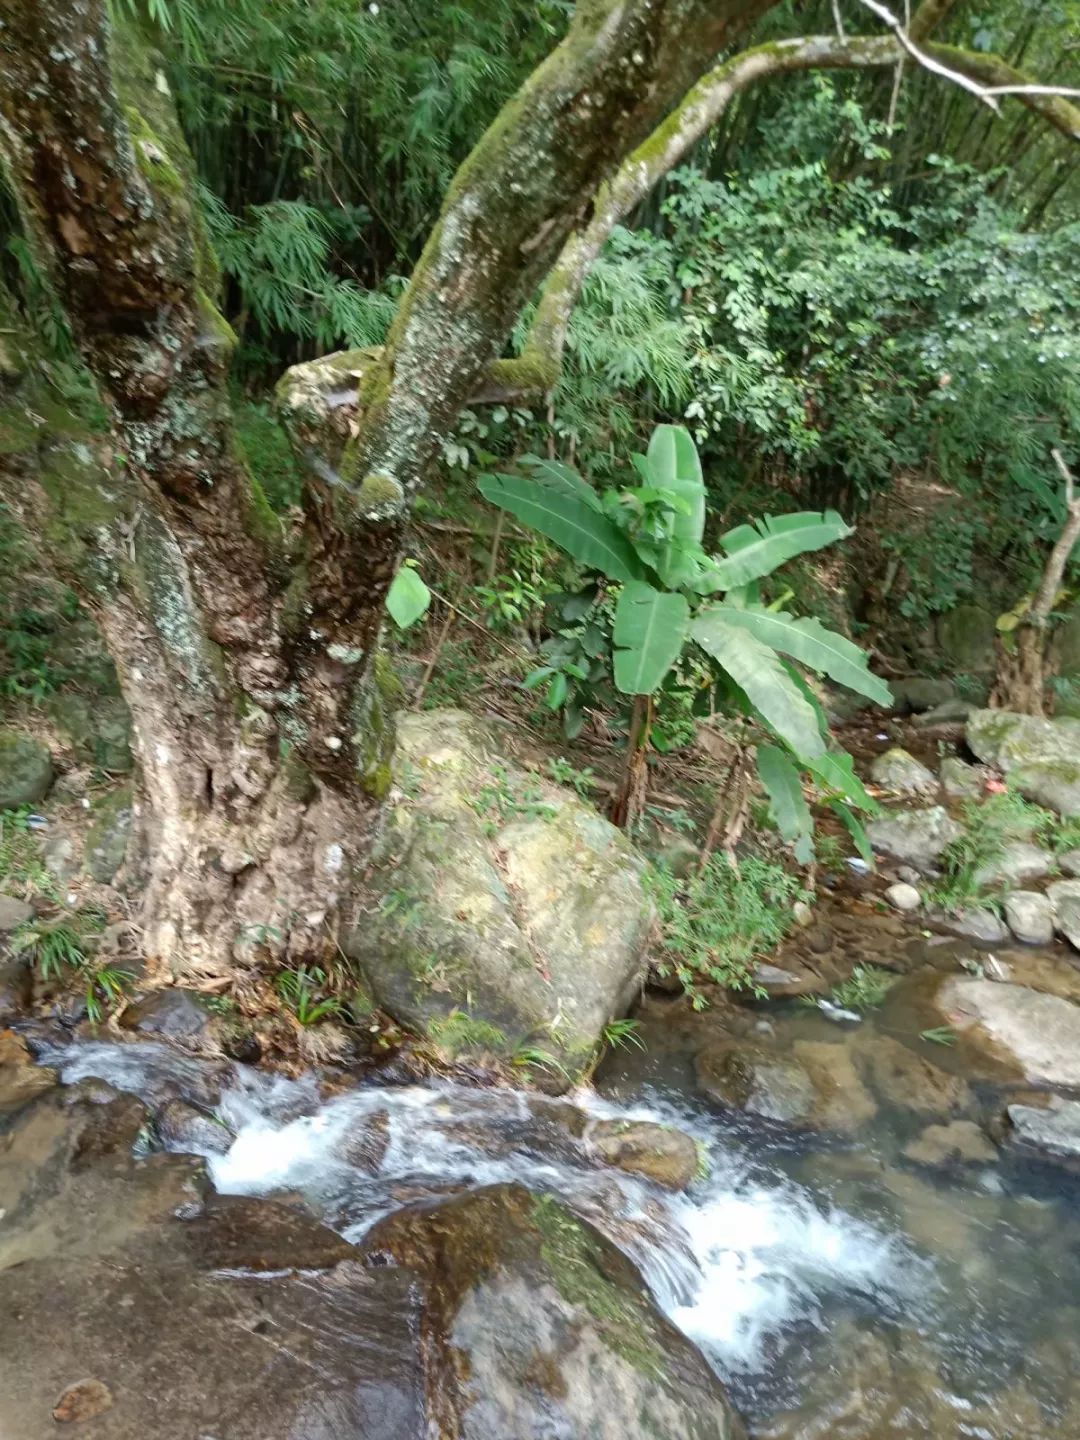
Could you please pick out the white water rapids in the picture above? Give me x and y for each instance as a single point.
(736, 1261)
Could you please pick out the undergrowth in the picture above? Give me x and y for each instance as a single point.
(717, 922)
(989, 827)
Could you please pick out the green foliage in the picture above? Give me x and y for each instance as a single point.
(22, 862)
(305, 991)
(717, 923)
(503, 800)
(58, 951)
(564, 773)
(52, 949)
(408, 598)
(460, 1031)
(266, 450)
(31, 607)
(938, 1035)
(864, 989)
(622, 1035)
(648, 539)
(988, 827)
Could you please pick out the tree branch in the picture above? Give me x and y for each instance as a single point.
(987, 76)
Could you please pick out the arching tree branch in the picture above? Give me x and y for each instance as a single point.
(703, 106)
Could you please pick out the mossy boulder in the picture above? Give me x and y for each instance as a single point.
(1041, 757)
(503, 910)
(26, 770)
(965, 637)
(98, 729)
(899, 771)
(917, 837)
(551, 1328)
(659, 1153)
(108, 837)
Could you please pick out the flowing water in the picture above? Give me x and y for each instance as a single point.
(822, 1280)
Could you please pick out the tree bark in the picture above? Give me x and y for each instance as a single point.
(248, 826)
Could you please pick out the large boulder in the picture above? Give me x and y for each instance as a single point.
(813, 1086)
(1018, 862)
(1030, 917)
(917, 837)
(98, 729)
(26, 770)
(1063, 897)
(1039, 1034)
(965, 637)
(504, 910)
(1008, 739)
(551, 1329)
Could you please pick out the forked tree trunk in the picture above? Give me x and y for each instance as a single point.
(251, 672)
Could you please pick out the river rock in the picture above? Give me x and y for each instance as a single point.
(961, 1142)
(1030, 917)
(1069, 863)
(1053, 783)
(1039, 1033)
(976, 922)
(21, 1080)
(917, 837)
(910, 1081)
(13, 913)
(1064, 898)
(900, 772)
(1019, 862)
(172, 1013)
(1052, 1132)
(916, 693)
(659, 1153)
(781, 983)
(1008, 739)
(26, 770)
(506, 898)
(757, 1080)
(183, 1127)
(960, 780)
(903, 897)
(551, 1328)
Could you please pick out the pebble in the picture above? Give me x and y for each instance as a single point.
(902, 896)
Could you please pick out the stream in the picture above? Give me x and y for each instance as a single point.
(837, 1289)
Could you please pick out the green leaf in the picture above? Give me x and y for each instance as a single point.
(787, 802)
(650, 631)
(854, 827)
(836, 771)
(805, 639)
(560, 478)
(570, 521)
(756, 550)
(760, 672)
(674, 466)
(408, 597)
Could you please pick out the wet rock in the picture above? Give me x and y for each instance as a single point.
(961, 1142)
(21, 1080)
(553, 1329)
(13, 913)
(174, 1014)
(966, 636)
(16, 987)
(1030, 917)
(917, 837)
(1019, 862)
(915, 693)
(26, 770)
(910, 1081)
(1051, 1132)
(185, 1128)
(514, 903)
(976, 923)
(82, 1401)
(900, 772)
(1038, 1033)
(949, 712)
(903, 897)
(758, 1081)
(960, 780)
(656, 1152)
(842, 1101)
(364, 1145)
(108, 837)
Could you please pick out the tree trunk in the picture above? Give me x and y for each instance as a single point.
(628, 802)
(260, 751)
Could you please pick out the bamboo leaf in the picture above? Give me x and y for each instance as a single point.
(787, 803)
(756, 550)
(650, 631)
(805, 639)
(836, 771)
(571, 522)
(760, 672)
(854, 826)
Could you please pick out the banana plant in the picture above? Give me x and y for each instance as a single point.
(647, 540)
